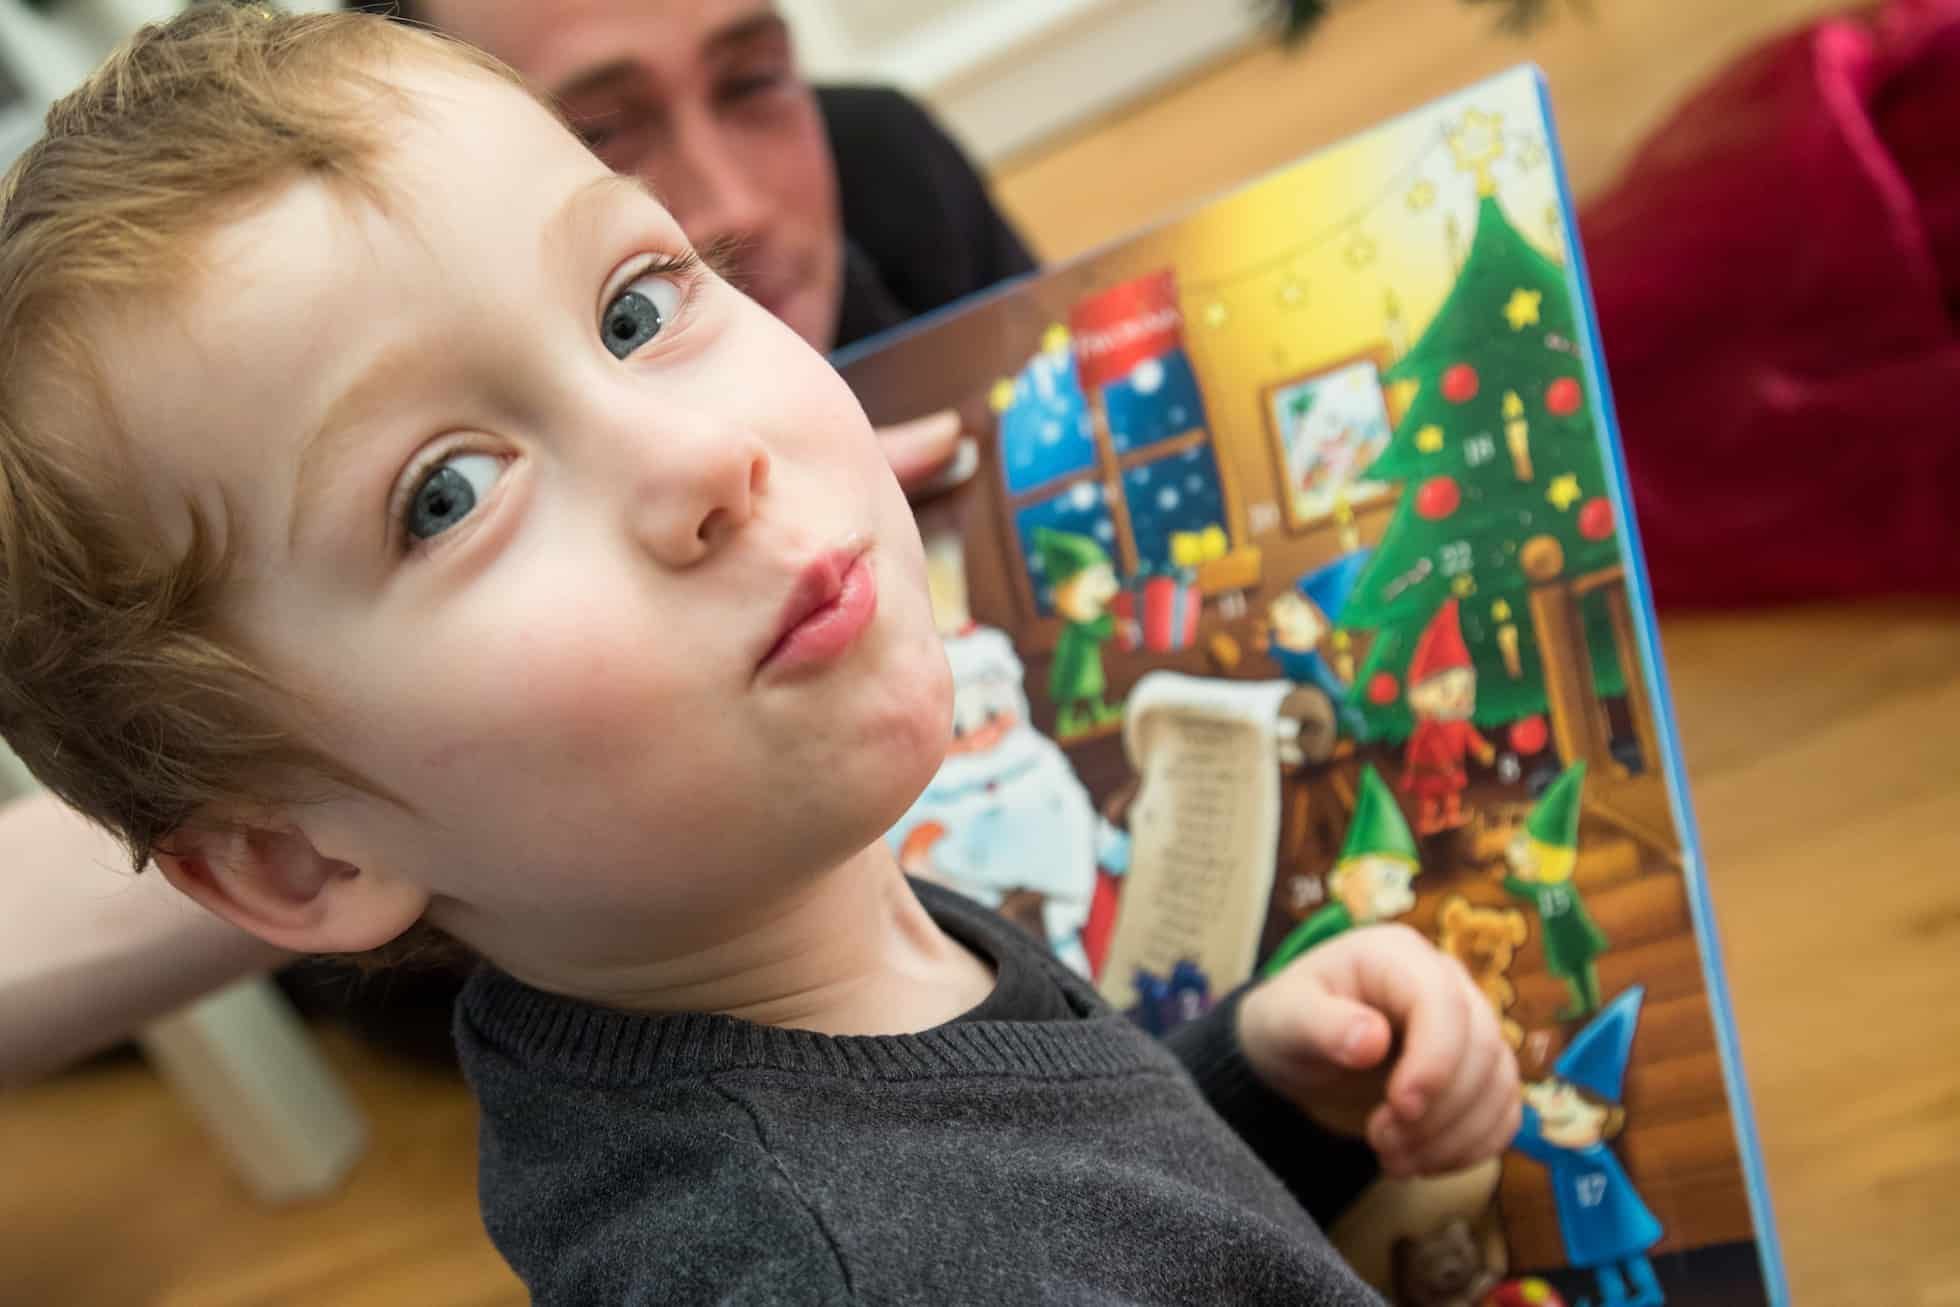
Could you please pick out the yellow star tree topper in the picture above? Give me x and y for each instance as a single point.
(1477, 143)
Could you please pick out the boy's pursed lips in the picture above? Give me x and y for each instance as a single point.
(830, 602)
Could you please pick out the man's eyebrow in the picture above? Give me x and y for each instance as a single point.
(763, 23)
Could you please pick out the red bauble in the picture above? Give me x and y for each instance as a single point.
(1562, 397)
(1460, 384)
(1596, 519)
(1437, 498)
(1383, 688)
(1530, 735)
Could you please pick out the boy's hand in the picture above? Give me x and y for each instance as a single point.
(1321, 1033)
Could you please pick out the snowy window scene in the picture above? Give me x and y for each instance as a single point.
(1045, 431)
(1103, 434)
(1056, 465)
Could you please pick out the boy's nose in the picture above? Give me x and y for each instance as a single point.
(693, 492)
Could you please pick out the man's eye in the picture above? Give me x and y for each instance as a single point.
(450, 493)
(638, 312)
(741, 88)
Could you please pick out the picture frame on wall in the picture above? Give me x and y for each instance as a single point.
(1326, 426)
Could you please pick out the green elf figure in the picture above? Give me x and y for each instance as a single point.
(1543, 857)
(1371, 878)
(1081, 582)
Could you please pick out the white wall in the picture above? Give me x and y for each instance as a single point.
(1004, 74)
(50, 53)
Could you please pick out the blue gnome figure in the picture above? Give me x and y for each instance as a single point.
(1301, 621)
(1568, 1119)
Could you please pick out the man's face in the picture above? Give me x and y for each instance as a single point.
(529, 512)
(702, 99)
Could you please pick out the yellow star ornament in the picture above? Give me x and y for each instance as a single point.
(1429, 439)
(1478, 143)
(1563, 492)
(1522, 311)
(1464, 586)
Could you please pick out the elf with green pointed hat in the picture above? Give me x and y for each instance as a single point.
(1081, 583)
(1542, 858)
(1370, 879)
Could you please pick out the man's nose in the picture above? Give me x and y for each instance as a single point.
(710, 191)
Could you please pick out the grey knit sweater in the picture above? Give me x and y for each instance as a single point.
(696, 1159)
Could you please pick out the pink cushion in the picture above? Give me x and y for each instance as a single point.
(1778, 283)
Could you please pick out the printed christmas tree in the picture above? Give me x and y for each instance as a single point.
(1497, 450)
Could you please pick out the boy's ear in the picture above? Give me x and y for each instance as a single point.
(272, 882)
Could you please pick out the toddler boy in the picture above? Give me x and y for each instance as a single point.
(404, 529)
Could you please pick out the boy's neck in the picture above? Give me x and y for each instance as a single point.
(851, 953)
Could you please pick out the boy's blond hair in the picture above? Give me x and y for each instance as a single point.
(117, 687)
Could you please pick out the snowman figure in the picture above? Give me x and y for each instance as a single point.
(1004, 817)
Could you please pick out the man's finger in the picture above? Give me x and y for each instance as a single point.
(922, 450)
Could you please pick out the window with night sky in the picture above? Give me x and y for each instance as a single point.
(1158, 443)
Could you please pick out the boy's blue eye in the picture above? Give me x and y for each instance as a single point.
(450, 493)
(637, 314)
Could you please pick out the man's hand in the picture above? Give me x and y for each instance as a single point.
(1321, 1033)
(923, 450)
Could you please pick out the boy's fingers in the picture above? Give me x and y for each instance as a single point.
(1485, 1132)
(1478, 1076)
(1435, 1031)
(1317, 1034)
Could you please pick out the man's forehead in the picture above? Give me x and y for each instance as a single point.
(568, 46)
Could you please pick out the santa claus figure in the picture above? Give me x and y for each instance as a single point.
(1005, 821)
(1442, 695)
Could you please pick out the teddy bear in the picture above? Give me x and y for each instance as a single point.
(1443, 1268)
(1485, 940)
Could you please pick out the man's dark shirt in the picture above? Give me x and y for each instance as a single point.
(920, 228)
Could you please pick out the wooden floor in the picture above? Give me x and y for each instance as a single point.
(1820, 744)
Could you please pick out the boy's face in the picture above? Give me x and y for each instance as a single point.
(523, 512)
